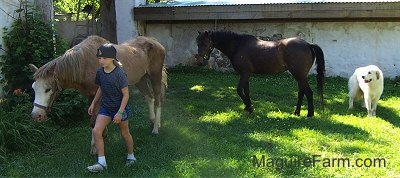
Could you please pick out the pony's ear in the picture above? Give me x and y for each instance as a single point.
(33, 68)
(198, 32)
(207, 33)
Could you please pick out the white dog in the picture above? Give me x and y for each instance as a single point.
(367, 83)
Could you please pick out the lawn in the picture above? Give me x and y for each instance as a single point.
(205, 133)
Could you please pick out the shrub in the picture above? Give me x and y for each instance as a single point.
(30, 40)
(69, 108)
(18, 132)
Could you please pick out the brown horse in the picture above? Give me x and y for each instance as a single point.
(248, 54)
(142, 60)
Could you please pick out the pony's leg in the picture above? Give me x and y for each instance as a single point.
(145, 87)
(156, 82)
(244, 80)
(152, 116)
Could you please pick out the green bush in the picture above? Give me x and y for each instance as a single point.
(17, 131)
(396, 81)
(29, 40)
(69, 108)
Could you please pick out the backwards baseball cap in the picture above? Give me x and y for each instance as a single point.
(107, 50)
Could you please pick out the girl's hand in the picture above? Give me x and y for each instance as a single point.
(117, 118)
(90, 110)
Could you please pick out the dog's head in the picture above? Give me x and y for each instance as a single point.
(370, 75)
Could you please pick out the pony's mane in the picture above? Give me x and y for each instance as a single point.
(69, 66)
(229, 35)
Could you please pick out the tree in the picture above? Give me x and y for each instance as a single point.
(46, 9)
(108, 20)
(107, 14)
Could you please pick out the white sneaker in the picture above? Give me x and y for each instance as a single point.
(130, 162)
(96, 168)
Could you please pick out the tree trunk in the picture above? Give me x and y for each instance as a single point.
(46, 9)
(108, 20)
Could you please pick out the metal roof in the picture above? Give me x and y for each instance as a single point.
(188, 3)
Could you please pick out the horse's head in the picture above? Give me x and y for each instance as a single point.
(46, 91)
(204, 47)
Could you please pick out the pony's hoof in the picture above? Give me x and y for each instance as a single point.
(155, 131)
(310, 115)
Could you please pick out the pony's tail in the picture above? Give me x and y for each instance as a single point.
(320, 61)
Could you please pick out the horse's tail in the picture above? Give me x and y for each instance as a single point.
(320, 61)
(164, 81)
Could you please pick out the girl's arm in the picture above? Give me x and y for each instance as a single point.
(125, 98)
(95, 100)
(124, 102)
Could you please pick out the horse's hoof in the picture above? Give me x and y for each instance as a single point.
(155, 131)
(310, 115)
(249, 109)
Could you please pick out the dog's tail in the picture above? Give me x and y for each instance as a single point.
(320, 61)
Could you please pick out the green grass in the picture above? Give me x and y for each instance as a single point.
(205, 133)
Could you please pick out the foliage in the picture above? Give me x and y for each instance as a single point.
(30, 40)
(396, 81)
(18, 132)
(205, 133)
(71, 6)
(70, 108)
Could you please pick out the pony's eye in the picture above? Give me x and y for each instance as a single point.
(47, 90)
(369, 72)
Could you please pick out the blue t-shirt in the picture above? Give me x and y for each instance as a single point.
(111, 85)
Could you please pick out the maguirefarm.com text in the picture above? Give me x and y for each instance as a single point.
(314, 160)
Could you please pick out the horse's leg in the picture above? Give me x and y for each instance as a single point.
(246, 88)
(145, 88)
(242, 86)
(156, 82)
(310, 100)
(300, 96)
(304, 89)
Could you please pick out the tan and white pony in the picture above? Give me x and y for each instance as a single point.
(142, 60)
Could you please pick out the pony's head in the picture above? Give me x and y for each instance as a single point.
(204, 47)
(46, 89)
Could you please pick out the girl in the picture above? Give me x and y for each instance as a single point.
(114, 94)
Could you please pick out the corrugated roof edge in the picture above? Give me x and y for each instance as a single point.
(158, 5)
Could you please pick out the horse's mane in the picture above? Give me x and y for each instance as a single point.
(70, 65)
(229, 35)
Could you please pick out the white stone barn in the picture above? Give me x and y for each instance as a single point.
(351, 34)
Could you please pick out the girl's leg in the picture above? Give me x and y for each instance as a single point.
(101, 123)
(126, 135)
